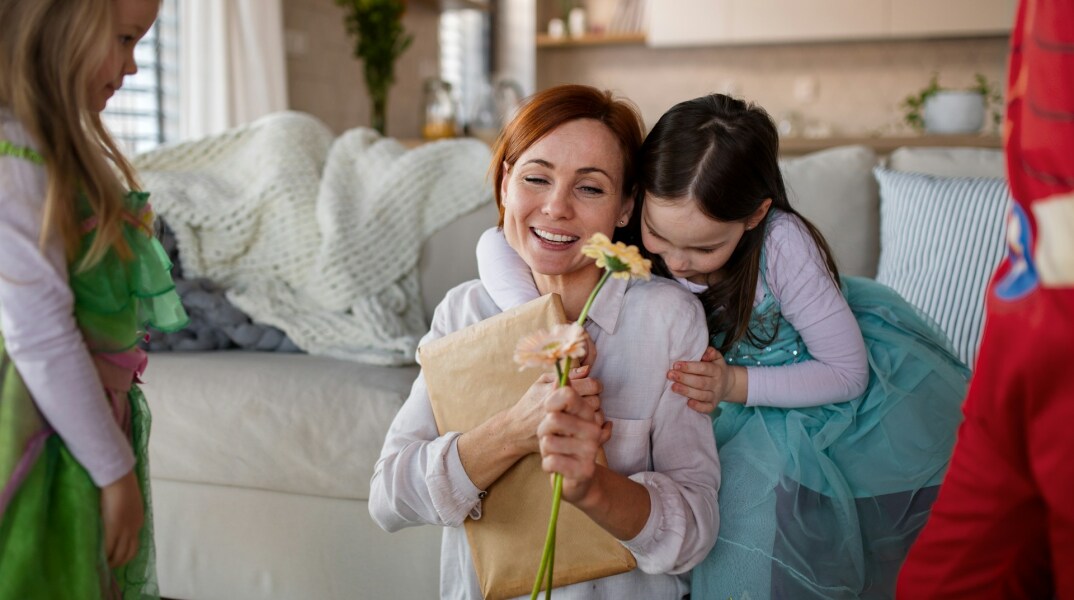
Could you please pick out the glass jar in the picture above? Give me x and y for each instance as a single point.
(439, 113)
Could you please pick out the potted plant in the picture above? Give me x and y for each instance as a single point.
(379, 39)
(944, 110)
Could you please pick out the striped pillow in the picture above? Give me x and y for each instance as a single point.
(940, 240)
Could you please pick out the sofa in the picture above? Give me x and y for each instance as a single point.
(261, 462)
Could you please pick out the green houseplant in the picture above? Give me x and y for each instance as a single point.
(379, 39)
(924, 111)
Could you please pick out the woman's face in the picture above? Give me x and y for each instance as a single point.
(563, 189)
(132, 19)
(692, 245)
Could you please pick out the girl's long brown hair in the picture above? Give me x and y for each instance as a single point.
(724, 154)
(49, 51)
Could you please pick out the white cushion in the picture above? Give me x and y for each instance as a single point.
(836, 191)
(941, 238)
(283, 422)
(950, 162)
(449, 256)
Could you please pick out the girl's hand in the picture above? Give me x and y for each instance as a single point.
(705, 383)
(528, 412)
(571, 434)
(123, 516)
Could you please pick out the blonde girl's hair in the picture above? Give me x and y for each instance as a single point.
(49, 51)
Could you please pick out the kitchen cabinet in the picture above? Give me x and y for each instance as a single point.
(688, 22)
(918, 18)
(796, 21)
(705, 22)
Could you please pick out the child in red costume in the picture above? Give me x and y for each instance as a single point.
(1003, 525)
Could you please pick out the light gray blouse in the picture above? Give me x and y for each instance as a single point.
(640, 328)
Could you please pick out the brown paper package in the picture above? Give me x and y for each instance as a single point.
(471, 376)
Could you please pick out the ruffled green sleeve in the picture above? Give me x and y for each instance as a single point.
(117, 299)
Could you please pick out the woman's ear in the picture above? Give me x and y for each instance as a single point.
(759, 214)
(626, 211)
(503, 181)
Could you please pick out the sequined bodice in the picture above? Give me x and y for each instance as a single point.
(784, 348)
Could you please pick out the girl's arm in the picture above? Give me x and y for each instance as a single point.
(816, 307)
(40, 333)
(504, 274)
(508, 278)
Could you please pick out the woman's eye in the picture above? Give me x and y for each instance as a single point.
(590, 190)
(126, 40)
(535, 180)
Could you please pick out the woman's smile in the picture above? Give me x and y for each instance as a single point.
(554, 239)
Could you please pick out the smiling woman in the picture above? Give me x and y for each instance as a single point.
(563, 171)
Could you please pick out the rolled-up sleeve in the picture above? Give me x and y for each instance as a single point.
(685, 477)
(684, 519)
(419, 478)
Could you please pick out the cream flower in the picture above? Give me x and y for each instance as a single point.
(546, 348)
(623, 261)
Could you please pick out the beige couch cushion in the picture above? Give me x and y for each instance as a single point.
(282, 422)
(835, 189)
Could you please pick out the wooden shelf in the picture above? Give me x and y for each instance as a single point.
(604, 39)
(885, 145)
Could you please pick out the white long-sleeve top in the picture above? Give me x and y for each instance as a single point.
(640, 327)
(795, 274)
(38, 324)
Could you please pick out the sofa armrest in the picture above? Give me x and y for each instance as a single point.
(448, 258)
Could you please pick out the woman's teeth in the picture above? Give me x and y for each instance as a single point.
(555, 237)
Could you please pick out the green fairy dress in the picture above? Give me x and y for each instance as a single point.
(51, 532)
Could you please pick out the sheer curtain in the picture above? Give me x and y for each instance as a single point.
(232, 64)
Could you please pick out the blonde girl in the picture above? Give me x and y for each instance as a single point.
(80, 277)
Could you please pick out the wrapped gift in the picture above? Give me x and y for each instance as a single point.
(471, 376)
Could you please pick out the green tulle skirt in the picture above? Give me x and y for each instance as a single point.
(51, 533)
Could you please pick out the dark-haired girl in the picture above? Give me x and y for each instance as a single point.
(835, 402)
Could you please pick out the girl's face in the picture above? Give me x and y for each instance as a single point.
(563, 189)
(692, 245)
(131, 20)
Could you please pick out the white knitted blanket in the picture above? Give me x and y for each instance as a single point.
(317, 236)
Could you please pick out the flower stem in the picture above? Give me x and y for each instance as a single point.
(581, 322)
(549, 540)
(551, 563)
(548, 556)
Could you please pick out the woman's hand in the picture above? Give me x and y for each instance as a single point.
(590, 357)
(528, 412)
(571, 434)
(123, 515)
(705, 383)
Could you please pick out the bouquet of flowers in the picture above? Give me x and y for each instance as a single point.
(563, 343)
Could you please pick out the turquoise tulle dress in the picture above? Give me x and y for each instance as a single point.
(824, 502)
(51, 531)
